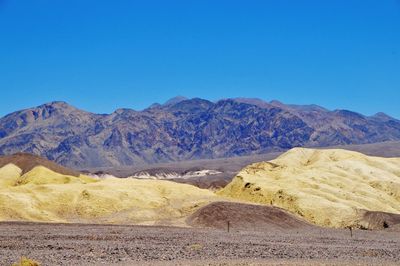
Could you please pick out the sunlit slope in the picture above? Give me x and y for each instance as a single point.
(326, 187)
(43, 195)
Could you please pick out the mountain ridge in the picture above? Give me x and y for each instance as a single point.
(184, 129)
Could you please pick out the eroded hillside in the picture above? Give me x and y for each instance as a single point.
(44, 195)
(330, 188)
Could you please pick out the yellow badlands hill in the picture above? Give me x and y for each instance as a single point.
(326, 187)
(43, 195)
(330, 188)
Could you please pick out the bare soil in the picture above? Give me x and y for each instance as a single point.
(78, 244)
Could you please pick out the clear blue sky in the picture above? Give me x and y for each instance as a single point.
(102, 55)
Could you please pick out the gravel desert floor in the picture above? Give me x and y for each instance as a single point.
(79, 244)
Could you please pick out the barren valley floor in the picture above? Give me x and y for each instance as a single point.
(81, 244)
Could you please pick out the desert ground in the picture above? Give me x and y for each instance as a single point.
(83, 244)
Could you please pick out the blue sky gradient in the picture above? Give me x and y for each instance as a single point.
(103, 55)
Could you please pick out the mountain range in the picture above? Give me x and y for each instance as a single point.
(184, 129)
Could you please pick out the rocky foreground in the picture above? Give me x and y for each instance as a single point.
(77, 244)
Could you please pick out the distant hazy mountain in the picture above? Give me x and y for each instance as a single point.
(183, 129)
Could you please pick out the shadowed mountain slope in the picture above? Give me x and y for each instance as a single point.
(183, 129)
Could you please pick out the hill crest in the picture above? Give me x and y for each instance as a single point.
(325, 187)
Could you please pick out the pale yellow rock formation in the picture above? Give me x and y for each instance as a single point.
(326, 187)
(43, 195)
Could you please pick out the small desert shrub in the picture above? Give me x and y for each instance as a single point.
(385, 224)
(26, 262)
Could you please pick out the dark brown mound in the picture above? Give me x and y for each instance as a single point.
(27, 162)
(246, 217)
(373, 220)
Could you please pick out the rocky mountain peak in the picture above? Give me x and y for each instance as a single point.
(175, 100)
(383, 116)
(183, 129)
